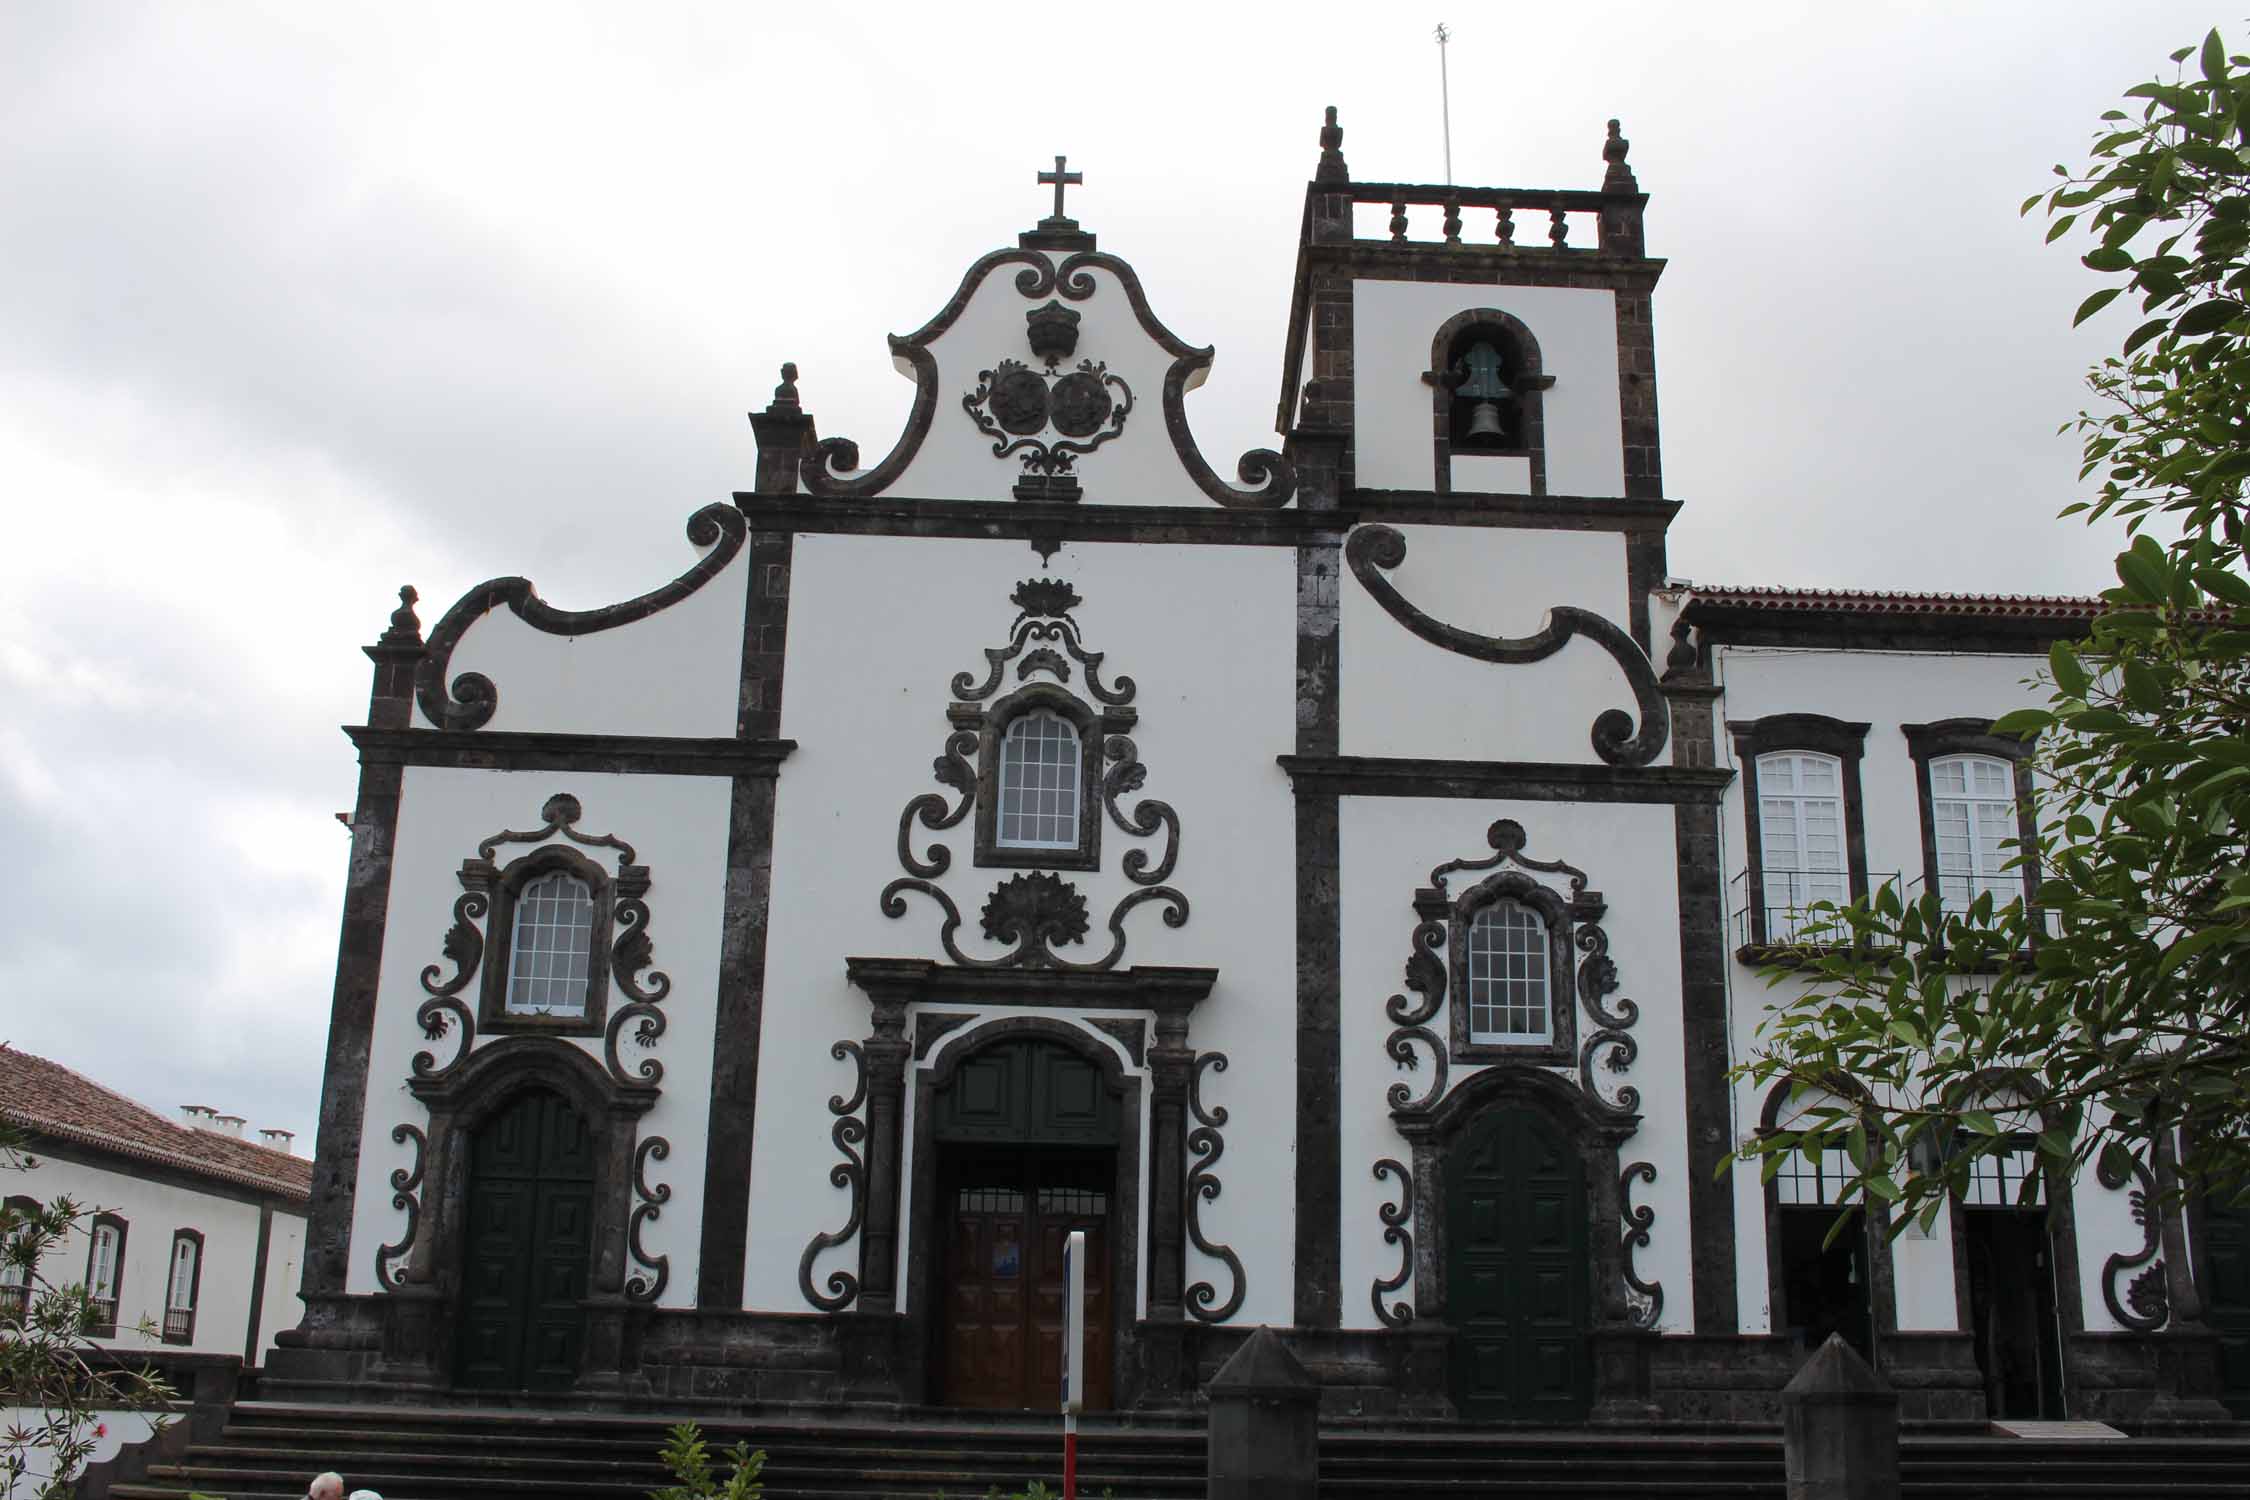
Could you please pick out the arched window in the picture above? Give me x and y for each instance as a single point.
(1822, 1280)
(1972, 814)
(1510, 986)
(550, 959)
(1802, 853)
(1487, 380)
(15, 1280)
(181, 1290)
(105, 1275)
(1041, 765)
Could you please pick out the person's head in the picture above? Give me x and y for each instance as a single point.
(329, 1486)
(365, 1495)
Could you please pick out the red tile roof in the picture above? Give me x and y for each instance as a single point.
(49, 1098)
(1869, 602)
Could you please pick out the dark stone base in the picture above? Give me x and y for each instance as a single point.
(354, 1348)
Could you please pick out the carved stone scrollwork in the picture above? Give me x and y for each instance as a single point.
(953, 769)
(1128, 775)
(1374, 549)
(2145, 1305)
(1013, 402)
(652, 1024)
(1397, 1219)
(1032, 916)
(1044, 606)
(437, 1016)
(1646, 1297)
(473, 698)
(650, 1205)
(1399, 1046)
(1617, 1052)
(848, 1134)
(406, 1182)
(1206, 1146)
(463, 947)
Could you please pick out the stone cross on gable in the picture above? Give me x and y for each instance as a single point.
(1060, 180)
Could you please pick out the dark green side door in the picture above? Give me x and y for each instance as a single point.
(2227, 1256)
(1518, 1272)
(530, 1235)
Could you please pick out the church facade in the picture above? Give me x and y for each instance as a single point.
(1336, 884)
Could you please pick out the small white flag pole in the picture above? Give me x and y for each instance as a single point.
(1445, 99)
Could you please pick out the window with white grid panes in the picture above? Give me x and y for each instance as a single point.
(181, 1295)
(1995, 1180)
(1039, 783)
(1800, 837)
(1813, 1180)
(1509, 981)
(1972, 814)
(101, 1281)
(552, 946)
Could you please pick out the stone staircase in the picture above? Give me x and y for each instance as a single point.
(268, 1450)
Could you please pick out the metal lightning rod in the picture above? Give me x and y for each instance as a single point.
(1445, 99)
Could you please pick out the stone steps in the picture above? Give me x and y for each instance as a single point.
(268, 1450)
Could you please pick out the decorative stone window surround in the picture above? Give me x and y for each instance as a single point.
(507, 883)
(1562, 916)
(1819, 734)
(1927, 743)
(989, 722)
(1529, 382)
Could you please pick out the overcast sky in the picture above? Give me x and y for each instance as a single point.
(301, 302)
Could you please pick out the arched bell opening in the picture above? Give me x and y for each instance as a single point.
(1487, 380)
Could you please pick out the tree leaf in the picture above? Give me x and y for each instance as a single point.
(2096, 303)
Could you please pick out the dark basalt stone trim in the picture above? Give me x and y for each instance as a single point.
(1561, 918)
(891, 515)
(1093, 725)
(1928, 742)
(1482, 265)
(1636, 393)
(258, 1256)
(1645, 570)
(1541, 512)
(1840, 630)
(1131, 1034)
(1530, 781)
(739, 1023)
(1320, 1147)
(620, 754)
(1162, 990)
(1813, 732)
(469, 700)
(1704, 1061)
(932, 1026)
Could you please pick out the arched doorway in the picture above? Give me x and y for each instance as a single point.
(1519, 1269)
(1025, 1134)
(526, 1247)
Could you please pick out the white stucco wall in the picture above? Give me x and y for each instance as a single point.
(1136, 467)
(1402, 696)
(678, 827)
(1883, 690)
(1389, 847)
(677, 672)
(1392, 325)
(152, 1211)
(1208, 635)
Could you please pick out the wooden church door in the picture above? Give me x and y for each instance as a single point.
(1011, 1213)
(529, 1241)
(1518, 1282)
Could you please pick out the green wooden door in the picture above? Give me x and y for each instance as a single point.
(2227, 1257)
(1518, 1272)
(530, 1236)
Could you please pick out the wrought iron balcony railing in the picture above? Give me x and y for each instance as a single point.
(1777, 910)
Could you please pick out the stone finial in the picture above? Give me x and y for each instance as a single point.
(1332, 168)
(1619, 178)
(406, 630)
(785, 394)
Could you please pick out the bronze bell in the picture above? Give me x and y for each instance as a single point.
(1484, 421)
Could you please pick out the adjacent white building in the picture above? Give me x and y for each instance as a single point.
(190, 1230)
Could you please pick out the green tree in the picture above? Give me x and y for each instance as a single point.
(60, 1382)
(2108, 1016)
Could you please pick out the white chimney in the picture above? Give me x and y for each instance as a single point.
(195, 1116)
(278, 1139)
(228, 1124)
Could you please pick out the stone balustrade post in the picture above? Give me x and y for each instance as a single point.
(1264, 1425)
(1839, 1429)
